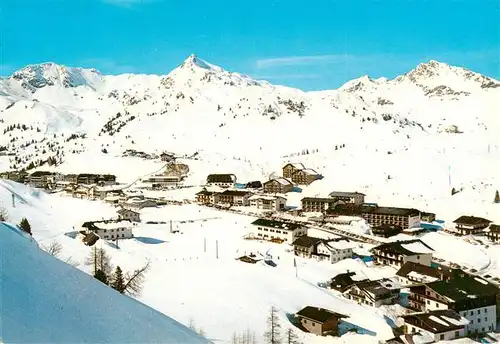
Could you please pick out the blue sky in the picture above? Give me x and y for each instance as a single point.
(310, 44)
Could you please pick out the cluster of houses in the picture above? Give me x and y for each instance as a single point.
(443, 303)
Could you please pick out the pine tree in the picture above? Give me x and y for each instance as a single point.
(497, 197)
(118, 283)
(291, 337)
(453, 191)
(272, 335)
(101, 276)
(25, 226)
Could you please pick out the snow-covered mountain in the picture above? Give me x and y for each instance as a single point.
(52, 110)
(47, 301)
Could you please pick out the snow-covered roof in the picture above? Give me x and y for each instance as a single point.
(265, 197)
(296, 165)
(310, 171)
(112, 225)
(339, 245)
(417, 247)
(283, 181)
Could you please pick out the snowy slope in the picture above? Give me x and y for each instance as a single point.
(47, 301)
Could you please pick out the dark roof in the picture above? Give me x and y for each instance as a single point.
(345, 194)
(248, 259)
(221, 178)
(495, 228)
(41, 173)
(205, 192)
(254, 184)
(376, 287)
(234, 193)
(320, 315)
(396, 247)
(353, 209)
(468, 292)
(423, 213)
(435, 321)
(343, 281)
(421, 269)
(471, 220)
(276, 224)
(306, 241)
(124, 211)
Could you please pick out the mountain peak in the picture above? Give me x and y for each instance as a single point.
(36, 76)
(194, 61)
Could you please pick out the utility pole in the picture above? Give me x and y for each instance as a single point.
(13, 201)
(205, 245)
(170, 226)
(217, 249)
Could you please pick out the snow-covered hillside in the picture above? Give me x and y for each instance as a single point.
(47, 301)
(52, 110)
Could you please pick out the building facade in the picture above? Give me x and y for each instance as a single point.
(128, 214)
(265, 202)
(397, 253)
(467, 225)
(279, 231)
(335, 250)
(109, 229)
(348, 197)
(493, 233)
(278, 185)
(164, 181)
(319, 321)
(470, 296)
(234, 197)
(438, 325)
(373, 293)
(291, 168)
(221, 180)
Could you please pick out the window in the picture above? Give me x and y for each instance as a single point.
(486, 310)
(478, 311)
(313, 324)
(437, 305)
(472, 322)
(457, 334)
(479, 320)
(486, 319)
(428, 302)
(441, 336)
(471, 313)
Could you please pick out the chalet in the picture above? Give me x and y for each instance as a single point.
(85, 192)
(70, 178)
(373, 293)
(472, 297)
(167, 157)
(290, 169)
(348, 197)
(305, 246)
(466, 225)
(376, 215)
(266, 202)
(206, 197)
(320, 321)
(128, 214)
(397, 253)
(41, 179)
(16, 176)
(266, 229)
(110, 229)
(342, 281)
(221, 180)
(234, 197)
(278, 185)
(335, 250)
(386, 231)
(413, 273)
(317, 205)
(163, 181)
(493, 233)
(253, 185)
(305, 176)
(444, 324)
(136, 203)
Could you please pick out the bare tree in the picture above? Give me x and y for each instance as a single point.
(291, 337)
(100, 260)
(3, 215)
(72, 262)
(134, 281)
(54, 249)
(272, 336)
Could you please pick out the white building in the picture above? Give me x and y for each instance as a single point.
(164, 181)
(266, 202)
(397, 253)
(129, 214)
(266, 229)
(110, 230)
(438, 325)
(335, 250)
(471, 296)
